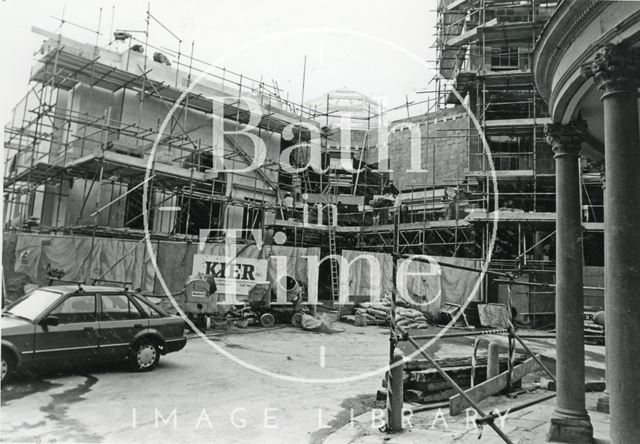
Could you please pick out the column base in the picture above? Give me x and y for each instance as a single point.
(603, 404)
(571, 429)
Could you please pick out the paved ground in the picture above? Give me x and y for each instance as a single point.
(99, 405)
(527, 426)
(214, 399)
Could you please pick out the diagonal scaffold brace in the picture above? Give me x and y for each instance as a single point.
(398, 334)
(490, 419)
(513, 336)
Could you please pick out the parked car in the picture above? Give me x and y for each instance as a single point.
(75, 325)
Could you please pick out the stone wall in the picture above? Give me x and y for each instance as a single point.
(443, 133)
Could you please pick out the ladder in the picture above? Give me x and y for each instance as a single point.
(335, 276)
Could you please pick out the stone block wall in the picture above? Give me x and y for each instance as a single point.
(444, 133)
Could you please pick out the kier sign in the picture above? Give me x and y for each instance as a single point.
(242, 272)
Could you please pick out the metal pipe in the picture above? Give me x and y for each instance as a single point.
(458, 267)
(492, 416)
(395, 393)
(121, 196)
(540, 284)
(535, 358)
(424, 408)
(469, 333)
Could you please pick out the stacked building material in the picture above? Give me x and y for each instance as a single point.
(410, 318)
(379, 313)
(593, 330)
(594, 333)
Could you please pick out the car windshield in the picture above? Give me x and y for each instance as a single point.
(32, 305)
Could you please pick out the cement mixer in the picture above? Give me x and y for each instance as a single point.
(199, 298)
(294, 295)
(264, 311)
(265, 303)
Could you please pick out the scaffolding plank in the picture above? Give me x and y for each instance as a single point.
(593, 226)
(512, 216)
(430, 225)
(472, 34)
(456, 4)
(36, 175)
(526, 122)
(79, 69)
(502, 174)
(168, 175)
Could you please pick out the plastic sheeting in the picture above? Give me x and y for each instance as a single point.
(81, 258)
(365, 282)
(419, 282)
(175, 262)
(78, 258)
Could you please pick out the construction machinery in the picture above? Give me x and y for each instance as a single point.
(260, 308)
(202, 300)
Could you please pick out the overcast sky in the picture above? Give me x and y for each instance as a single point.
(340, 56)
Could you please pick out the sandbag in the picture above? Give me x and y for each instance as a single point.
(418, 325)
(376, 312)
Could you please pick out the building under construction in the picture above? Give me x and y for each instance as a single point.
(484, 52)
(148, 168)
(92, 134)
(114, 145)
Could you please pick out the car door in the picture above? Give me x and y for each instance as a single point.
(120, 320)
(171, 327)
(75, 338)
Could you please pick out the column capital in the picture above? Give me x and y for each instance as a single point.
(616, 69)
(565, 140)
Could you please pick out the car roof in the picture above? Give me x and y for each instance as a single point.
(88, 288)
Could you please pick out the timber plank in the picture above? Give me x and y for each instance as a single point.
(458, 404)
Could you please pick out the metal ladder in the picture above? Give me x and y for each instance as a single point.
(335, 276)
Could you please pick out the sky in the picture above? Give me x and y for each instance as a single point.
(375, 47)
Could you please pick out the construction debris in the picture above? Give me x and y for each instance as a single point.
(423, 383)
(593, 331)
(318, 325)
(589, 386)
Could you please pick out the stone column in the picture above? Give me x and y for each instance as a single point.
(616, 71)
(570, 421)
(602, 405)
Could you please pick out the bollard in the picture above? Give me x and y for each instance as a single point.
(493, 360)
(395, 394)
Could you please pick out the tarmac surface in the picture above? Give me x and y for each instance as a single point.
(198, 395)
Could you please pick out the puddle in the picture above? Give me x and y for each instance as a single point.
(20, 389)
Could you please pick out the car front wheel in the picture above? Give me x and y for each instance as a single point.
(144, 356)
